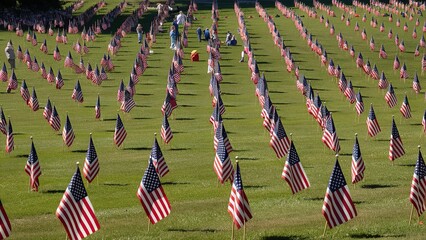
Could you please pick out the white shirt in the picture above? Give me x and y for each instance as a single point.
(180, 19)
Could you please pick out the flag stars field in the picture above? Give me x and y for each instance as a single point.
(287, 67)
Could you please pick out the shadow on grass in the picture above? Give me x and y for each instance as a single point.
(184, 119)
(291, 237)
(314, 199)
(368, 235)
(52, 191)
(22, 156)
(273, 91)
(375, 186)
(90, 106)
(207, 230)
(144, 94)
(141, 118)
(254, 186)
(110, 119)
(116, 184)
(175, 183)
(179, 149)
(188, 94)
(233, 118)
(186, 106)
(248, 158)
(187, 83)
(228, 83)
(79, 151)
(412, 124)
(110, 131)
(230, 94)
(345, 154)
(407, 165)
(138, 148)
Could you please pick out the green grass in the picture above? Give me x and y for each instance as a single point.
(198, 204)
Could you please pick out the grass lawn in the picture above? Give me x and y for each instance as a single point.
(199, 204)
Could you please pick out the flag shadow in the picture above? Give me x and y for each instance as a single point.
(184, 119)
(79, 151)
(368, 235)
(138, 148)
(248, 158)
(22, 156)
(207, 230)
(179, 149)
(52, 191)
(175, 183)
(290, 237)
(375, 186)
(116, 184)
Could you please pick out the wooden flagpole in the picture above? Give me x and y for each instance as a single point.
(411, 214)
(325, 229)
(29, 185)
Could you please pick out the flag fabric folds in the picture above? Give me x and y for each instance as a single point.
(279, 139)
(396, 148)
(5, 227)
(75, 211)
(77, 93)
(33, 102)
(239, 207)
(338, 206)
(222, 163)
(373, 127)
(166, 131)
(68, 133)
(10, 143)
(329, 137)
(32, 168)
(120, 132)
(157, 159)
(418, 186)
(54, 120)
(293, 172)
(358, 166)
(152, 197)
(390, 97)
(98, 108)
(405, 108)
(91, 163)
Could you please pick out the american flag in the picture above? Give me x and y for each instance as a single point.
(13, 82)
(5, 227)
(32, 168)
(10, 144)
(372, 44)
(33, 102)
(43, 47)
(56, 54)
(54, 120)
(120, 133)
(98, 108)
(374, 73)
(68, 133)
(338, 206)
(152, 197)
(349, 93)
(128, 103)
(302, 84)
(172, 84)
(405, 108)
(330, 68)
(166, 131)
(396, 148)
(77, 93)
(217, 100)
(134, 76)
(396, 63)
(157, 159)
(267, 113)
(343, 83)
(131, 87)
(329, 137)
(3, 123)
(168, 105)
(367, 67)
(221, 135)
(3, 73)
(416, 84)
(383, 82)
(50, 76)
(382, 52)
(222, 163)
(373, 127)
(68, 60)
(34, 66)
(423, 122)
(24, 92)
(47, 112)
(120, 92)
(358, 166)
(239, 207)
(75, 211)
(360, 61)
(401, 46)
(403, 72)
(279, 139)
(359, 106)
(315, 107)
(59, 80)
(91, 163)
(422, 41)
(390, 97)
(89, 71)
(216, 117)
(418, 186)
(293, 172)
(103, 75)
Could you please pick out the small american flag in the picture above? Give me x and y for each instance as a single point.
(56, 54)
(405, 108)
(396, 63)
(358, 166)
(43, 47)
(54, 120)
(279, 139)
(221, 135)
(68, 133)
(343, 83)
(390, 97)
(33, 102)
(128, 103)
(349, 93)
(401, 46)
(382, 52)
(293, 172)
(32, 168)
(360, 61)
(168, 105)
(373, 127)
(5, 227)
(68, 60)
(120, 92)
(329, 137)
(418, 186)
(416, 84)
(338, 206)
(47, 112)
(3, 73)
(239, 207)
(367, 68)
(267, 113)
(98, 108)
(423, 122)
(383, 82)
(152, 197)
(403, 72)
(50, 76)
(359, 106)
(59, 80)
(10, 144)
(75, 211)
(330, 68)
(13, 82)
(372, 44)
(77, 93)
(91, 163)
(396, 148)
(25, 94)
(120, 132)
(374, 73)
(216, 117)
(222, 163)
(3, 123)
(158, 160)
(166, 131)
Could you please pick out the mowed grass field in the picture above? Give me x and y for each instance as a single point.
(199, 204)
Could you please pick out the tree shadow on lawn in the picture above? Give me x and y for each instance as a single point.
(290, 237)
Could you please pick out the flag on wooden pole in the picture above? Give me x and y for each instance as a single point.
(239, 207)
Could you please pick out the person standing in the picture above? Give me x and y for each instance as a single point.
(173, 36)
(181, 18)
(199, 32)
(139, 30)
(10, 54)
(207, 34)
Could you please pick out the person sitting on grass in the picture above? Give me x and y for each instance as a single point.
(232, 42)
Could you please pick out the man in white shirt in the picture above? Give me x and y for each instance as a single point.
(181, 18)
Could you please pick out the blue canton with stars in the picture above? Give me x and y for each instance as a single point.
(91, 151)
(32, 158)
(238, 182)
(76, 186)
(156, 151)
(221, 151)
(356, 152)
(337, 180)
(420, 169)
(150, 179)
(293, 158)
(395, 133)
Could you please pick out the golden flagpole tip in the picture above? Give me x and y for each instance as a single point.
(356, 134)
(31, 137)
(337, 155)
(236, 159)
(418, 146)
(77, 163)
(90, 134)
(155, 134)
